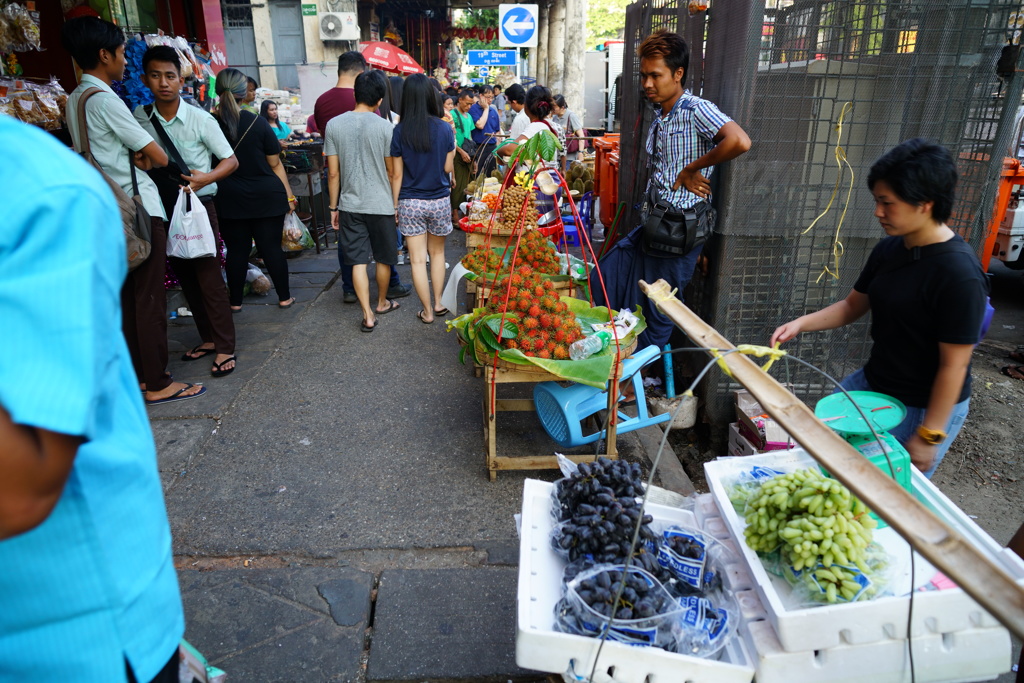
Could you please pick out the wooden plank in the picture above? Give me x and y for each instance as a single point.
(514, 404)
(541, 462)
(980, 577)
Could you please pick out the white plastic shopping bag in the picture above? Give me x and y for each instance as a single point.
(191, 235)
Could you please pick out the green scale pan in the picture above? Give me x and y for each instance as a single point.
(884, 413)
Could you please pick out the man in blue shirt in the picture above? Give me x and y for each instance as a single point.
(687, 139)
(88, 586)
(488, 124)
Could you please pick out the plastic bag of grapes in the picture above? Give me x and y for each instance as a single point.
(645, 614)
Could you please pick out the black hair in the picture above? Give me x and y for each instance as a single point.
(484, 89)
(516, 93)
(161, 53)
(454, 99)
(419, 106)
(496, 87)
(669, 46)
(451, 90)
(263, 112)
(538, 102)
(397, 84)
(249, 80)
(919, 171)
(84, 37)
(436, 83)
(560, 101)
(468, 92)
(370, 88)
(351, 62)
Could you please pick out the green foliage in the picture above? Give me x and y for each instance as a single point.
(543, 145)
(606, 20)
(484, 18)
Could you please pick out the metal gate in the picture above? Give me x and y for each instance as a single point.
(790, 73)
(239, 37)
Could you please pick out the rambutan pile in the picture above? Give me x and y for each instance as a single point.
(536, 251)
(546, 324)
(482, 260)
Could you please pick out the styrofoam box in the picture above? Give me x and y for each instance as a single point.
(540, 647)
(739, 444)
(800, 629)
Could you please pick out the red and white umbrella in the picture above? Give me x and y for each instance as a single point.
(387, 57)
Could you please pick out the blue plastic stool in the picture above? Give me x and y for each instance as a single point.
(562, 410)
(585, 207)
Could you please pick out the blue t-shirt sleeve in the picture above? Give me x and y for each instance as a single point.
(396, 141)
(59, 296)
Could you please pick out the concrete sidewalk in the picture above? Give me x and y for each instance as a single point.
(331, 511)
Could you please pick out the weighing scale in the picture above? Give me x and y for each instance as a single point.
(884, 413)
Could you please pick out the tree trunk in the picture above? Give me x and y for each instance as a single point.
(556, 45)
(575, 49)
(540, 71)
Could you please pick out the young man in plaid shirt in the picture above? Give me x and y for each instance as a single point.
(687, 139)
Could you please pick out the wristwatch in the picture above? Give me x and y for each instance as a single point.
(333, 209)
(931, 436)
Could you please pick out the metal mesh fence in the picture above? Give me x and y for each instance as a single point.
(800, 78)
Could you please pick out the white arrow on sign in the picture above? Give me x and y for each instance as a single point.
(513, 27)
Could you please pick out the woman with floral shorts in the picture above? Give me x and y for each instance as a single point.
(423, 153)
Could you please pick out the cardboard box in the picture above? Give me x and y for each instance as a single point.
(763, 432)
(738, 443)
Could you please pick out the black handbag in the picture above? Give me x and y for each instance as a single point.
(671, 234)
(468, 145)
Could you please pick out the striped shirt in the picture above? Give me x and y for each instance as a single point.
(674, 140)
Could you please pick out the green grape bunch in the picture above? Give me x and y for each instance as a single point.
(811, 520)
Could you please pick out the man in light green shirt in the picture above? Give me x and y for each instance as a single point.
(195, 136)
(117, 140)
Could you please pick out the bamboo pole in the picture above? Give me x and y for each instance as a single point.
(989, 584)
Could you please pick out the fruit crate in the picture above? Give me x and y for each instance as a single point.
(540, 647)
(941, 613)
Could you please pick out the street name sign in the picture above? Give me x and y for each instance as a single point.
(492, 58)
(517, 25)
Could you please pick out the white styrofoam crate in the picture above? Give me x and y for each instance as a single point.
(540, 647)
(801, 629)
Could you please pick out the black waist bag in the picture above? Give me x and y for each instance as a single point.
(671, 234)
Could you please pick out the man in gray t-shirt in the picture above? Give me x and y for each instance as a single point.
(357, 145)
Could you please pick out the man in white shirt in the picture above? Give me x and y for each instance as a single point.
(516, 95)
(194, 136)
(117, 141)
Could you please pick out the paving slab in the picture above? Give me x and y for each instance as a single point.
(272, 625)
(177, 443)
(445, 624)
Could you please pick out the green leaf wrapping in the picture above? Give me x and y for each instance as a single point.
(507, 329)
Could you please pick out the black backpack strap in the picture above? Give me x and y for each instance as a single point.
(171, 149)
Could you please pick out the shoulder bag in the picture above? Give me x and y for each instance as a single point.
(468, 146)
(669, 233)
(168, 179)
(134, 217)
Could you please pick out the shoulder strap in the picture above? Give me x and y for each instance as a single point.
(171, 149)
(83, 129)
(251, 124)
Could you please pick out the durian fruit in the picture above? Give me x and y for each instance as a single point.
(578, 186)
(587, 174)
(588, 186)
(497, 176)
(471, 188)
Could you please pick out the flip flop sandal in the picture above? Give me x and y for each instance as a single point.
(443, 311)
(1014, 371)
(177, 395)
(286, 305)
(203, 353)
(218, 372)
(394, 306)
(1017, 355)
(422, 320)
(367, 328)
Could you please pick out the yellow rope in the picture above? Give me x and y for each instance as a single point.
(658, 295)
(840, 157)
(774, 353)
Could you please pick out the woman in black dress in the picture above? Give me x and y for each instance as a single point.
(253, 201)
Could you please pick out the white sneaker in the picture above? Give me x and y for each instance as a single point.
(401, 258)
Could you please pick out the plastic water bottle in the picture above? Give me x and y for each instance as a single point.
(588, 346)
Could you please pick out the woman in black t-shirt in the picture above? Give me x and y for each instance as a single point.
(926, 292)
(423, 153)
(253, 201)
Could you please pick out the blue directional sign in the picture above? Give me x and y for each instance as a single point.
(518, 25)
(483, 71)
(492, 57)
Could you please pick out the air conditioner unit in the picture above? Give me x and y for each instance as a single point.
(338, 26)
